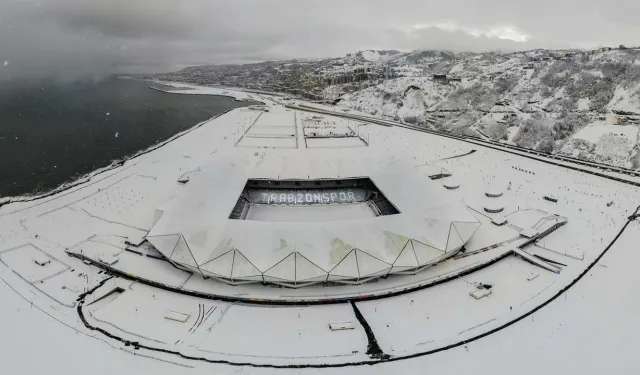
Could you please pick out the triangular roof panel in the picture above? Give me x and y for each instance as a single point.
(466, 229)
(221, 266)
(348, 267)
(242, 268)
(407, 257)
(182, 254)
(454, 241)
(307, 270)
(165, 243)
(425, 254)
(370, 266)
(284, 270)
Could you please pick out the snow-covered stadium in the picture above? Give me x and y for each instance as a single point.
(293, 235)
(309, 219)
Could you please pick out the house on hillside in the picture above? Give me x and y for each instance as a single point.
(622, 120)
(440, 78)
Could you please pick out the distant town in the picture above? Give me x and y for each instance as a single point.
(310, 79)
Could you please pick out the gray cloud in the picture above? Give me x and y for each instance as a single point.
(79, 37)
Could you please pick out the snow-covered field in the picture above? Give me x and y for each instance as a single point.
(611, 144)
(536, 313)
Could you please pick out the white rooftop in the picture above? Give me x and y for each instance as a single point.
(194, 228)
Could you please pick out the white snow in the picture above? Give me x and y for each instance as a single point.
(186, 88)
(95, 218)
(612, 144)
(583, 104)
(626, 99)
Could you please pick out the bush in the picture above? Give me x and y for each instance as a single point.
(559, 73)
(467, 132)
(531, 132)
(631, 76)
(599, 90)
(601, 98)
(497, 131)
(635, 161)
(545, 92)
(411, 119)
(569, 124)
(613, 70)
(503, 85)
(546, 145)
(536, 115)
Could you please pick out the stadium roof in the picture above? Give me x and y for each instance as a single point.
(194, 229)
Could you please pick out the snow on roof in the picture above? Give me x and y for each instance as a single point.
(529, 232)
(499, 220)
(195, 229)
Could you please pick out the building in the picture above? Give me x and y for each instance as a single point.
(195, 231)
(296, 244)
(440, 77)
(622, 120)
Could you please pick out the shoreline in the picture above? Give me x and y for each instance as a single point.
(87, 178)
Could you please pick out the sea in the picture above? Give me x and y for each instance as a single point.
(52, 132)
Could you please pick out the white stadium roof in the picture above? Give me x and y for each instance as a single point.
(194, 228)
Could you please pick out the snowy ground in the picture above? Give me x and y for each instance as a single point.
(593, 316)
(190, 89)
(610, 144)
(97, 217)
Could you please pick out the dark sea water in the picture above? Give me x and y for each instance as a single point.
(52, 132)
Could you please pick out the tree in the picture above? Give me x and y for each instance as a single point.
(546, 145)
(530, 133)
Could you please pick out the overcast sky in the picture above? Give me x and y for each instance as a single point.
(98, 36)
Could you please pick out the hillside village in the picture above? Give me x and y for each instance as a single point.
(580, 103)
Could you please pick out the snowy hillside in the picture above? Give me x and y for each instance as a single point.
(538, 99)
(581, 103)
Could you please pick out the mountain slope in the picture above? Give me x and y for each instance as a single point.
(583, 103)
(538, 99)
